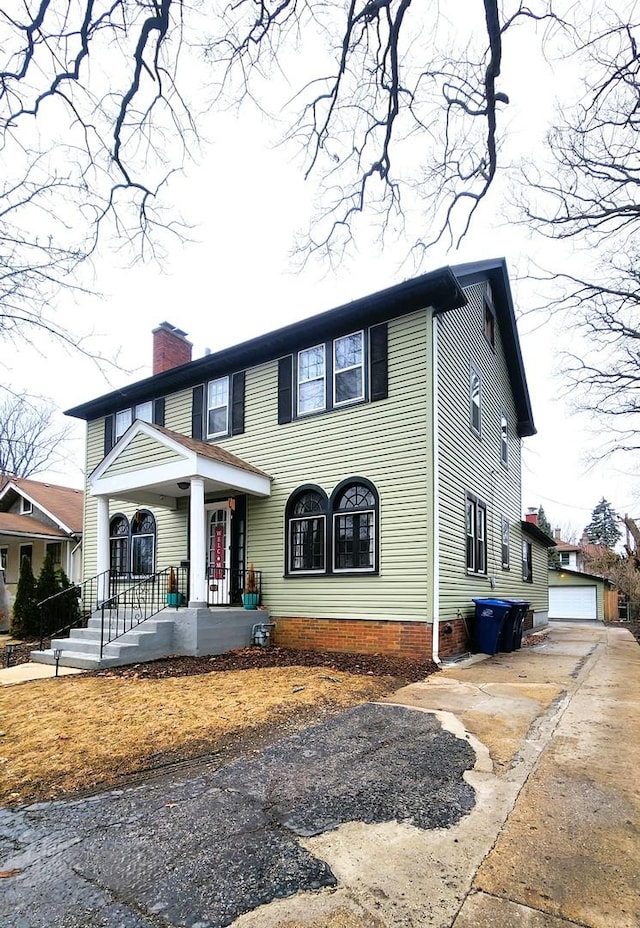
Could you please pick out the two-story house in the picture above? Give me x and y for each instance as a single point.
(366, 461)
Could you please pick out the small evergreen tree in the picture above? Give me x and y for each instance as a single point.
(603, 528)
(545, 525)
(69, 601)
(48, 585)
(24, 622)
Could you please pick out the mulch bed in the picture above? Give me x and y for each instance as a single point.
(402, 668)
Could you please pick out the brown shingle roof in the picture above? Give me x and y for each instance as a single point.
(13, 524)
(64, 503)
(215, 452)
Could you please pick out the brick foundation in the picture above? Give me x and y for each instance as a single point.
(363, 636)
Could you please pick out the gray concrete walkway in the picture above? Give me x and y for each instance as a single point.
(498, 793)
(21, 673)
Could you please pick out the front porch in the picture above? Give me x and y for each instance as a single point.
(188, 632)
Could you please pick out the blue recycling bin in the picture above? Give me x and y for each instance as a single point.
(511, 636)
(490, 618)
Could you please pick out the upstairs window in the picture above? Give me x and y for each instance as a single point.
(348, 369)
(355, 517)
(475, 397)
(124, 418)
(564, 558)
(476, 536)
(504, 439)
(218, 407)
(307, 531)
(144, 412)
(26, 506)
(311, 380)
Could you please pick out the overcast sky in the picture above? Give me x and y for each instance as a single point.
(236, 280)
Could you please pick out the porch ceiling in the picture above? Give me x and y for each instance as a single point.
(178, 459)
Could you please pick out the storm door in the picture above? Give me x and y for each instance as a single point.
(219, 554)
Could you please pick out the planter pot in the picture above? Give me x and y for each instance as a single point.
(250, 600)
(175, 599)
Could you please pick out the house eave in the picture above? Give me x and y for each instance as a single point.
(438, 289)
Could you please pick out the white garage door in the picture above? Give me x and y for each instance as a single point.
(572, 602)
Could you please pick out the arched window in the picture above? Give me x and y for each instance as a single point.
(354, 507)
(119, 545)
(306, 524)
(143, 543)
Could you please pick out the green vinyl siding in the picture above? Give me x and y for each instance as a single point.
(142, 452)
(471, 463)
(385, 442)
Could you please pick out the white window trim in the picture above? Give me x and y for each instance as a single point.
(225, 431)
(301, 518)
(117, 434)
(149, 406)
(475, 373)
(26, 506)
(351, 367)
(300, 381)
(527, 561)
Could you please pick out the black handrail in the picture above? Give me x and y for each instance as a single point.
(228, 586)
(86, 598)
(140, 601)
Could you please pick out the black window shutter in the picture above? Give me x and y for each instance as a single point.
(285, 389)
(237, 403)
(197, 409)
(158, 411)
(108, 434)
(379, 362)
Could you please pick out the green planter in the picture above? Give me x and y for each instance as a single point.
(175, 599)
(250, 600)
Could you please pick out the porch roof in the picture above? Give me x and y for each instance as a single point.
(20, 526)
(149, 464)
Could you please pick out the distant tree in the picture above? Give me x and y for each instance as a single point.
(28, 439)
(545, 525)
(24, 623)
(623, 572)
(603, 528)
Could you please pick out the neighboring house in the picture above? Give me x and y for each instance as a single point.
(535, 563)
(36, 518)
(581, 596)
(366, 460)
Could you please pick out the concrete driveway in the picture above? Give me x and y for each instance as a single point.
(500, 792)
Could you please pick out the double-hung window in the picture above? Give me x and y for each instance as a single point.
(218, 407)
(348, 369)
(475, 400)
(124, 418)
(504, 439)
(312, 380)
(476, 536)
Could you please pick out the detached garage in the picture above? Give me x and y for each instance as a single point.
(575, 595)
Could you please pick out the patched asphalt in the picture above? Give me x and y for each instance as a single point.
(202, 851)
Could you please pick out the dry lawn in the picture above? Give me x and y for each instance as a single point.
(72, 734)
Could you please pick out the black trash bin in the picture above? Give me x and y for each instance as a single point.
(511, 637)
(489, 621)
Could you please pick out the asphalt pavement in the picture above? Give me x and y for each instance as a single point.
(502, 792)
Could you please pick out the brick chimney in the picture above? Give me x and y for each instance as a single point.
(170, 348)
(532, 516)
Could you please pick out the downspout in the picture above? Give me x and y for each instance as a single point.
(435, 635)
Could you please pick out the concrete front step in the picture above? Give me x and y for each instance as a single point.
(75, 659)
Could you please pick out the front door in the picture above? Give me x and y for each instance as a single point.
(219, 554)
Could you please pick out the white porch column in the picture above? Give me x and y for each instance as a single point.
(102, 558)
(197, 546)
